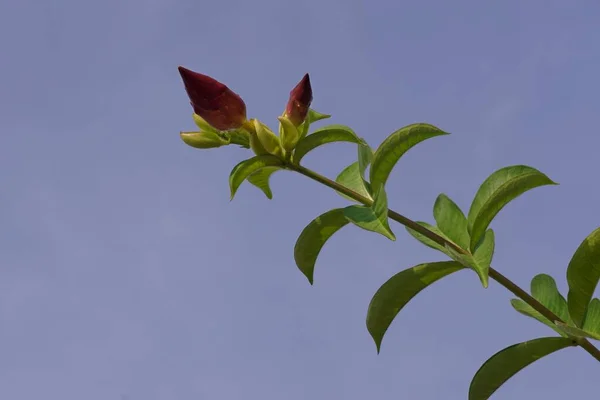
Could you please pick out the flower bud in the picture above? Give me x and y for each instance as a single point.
(203, 139)
(213, 101)
(299, 102)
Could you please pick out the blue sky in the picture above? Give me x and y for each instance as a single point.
(126, 273)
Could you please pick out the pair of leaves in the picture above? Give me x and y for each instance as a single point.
(452, 226)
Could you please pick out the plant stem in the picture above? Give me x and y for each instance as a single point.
(494, 274)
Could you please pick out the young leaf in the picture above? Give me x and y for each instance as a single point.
(313, 238)
(351, 178)
(592, 317)
(508, 362)
(484, 253)
(583, 274)
(529, 311)
(480, 266)
(394, 147)
(544, 290)
(394, 294)
(428, 242)
(576, 332)
(327, 134)
(288, 133)
(313, 116)
(374, 218)
(260, 179)
(451, 220)
(247, 167)
(498, 190)
(365, 156)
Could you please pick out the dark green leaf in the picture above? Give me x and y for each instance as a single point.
(583, 274)
(544, 290)
(351, 178)
(394, 147)
(451, 220)
(496, 191)
(313, 238)
(506, 363)
(374, 218)
(327, 134)
(243, 170)
(394, 294)
(260, 179)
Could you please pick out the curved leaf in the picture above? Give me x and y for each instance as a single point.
(583, 274)
(261, 178)
(529, 311)
(483, 256)
(394, 147)
(394, 294)
(365, 156)
(592, 318)
(544, 290)
(313, 238)
(352, 179)
(327, 134)
(247, 167)
(507, 362)
(498, 190)
(451, 220)
(312, 116)
(374, 218)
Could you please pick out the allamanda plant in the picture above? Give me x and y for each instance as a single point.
(466, 240)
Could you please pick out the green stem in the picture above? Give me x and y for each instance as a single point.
(494, 274)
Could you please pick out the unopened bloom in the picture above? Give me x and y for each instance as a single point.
(299, 102)
(213, 101)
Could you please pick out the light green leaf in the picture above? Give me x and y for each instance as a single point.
(202, 124)
(451, 220)
(394, 147)
(583, 274)
(394, 294)
(508, 362)
(425, 240)
(350, 177)
(544, 290)
(268, 139)
(313, 238)
(243, 170)
(327, 134)
(498, 190)
(203, 139)
(592, 318)
(311, 117)
(374, 218)
(260, 179)
(576, 332)
(365, 156)
(483, 255)
(477, 265)
(529, 311)
(240, 137)
(288, 133)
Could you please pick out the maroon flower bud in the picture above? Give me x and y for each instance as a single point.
(299, 102)
(213, 101)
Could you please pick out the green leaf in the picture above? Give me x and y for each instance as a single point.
(289, 133)
(268, 139)
(203, 139)
(394, 294)
(425, 240)
(544, 290)
(350, 177)
(239, 137)
(583, 274)
(483, 255)
(394, 147)
(529, 311)
(202, 124)
(451, 220)
(365, 156)
(374, 218)
(313, 238)
(508, 362)
(243, 170)
(476, 264)
(260, 179)
(592, 318)
(327, 134)
(311, 117)
(498, 190)
(576, 332)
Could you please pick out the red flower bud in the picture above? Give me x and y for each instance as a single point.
(299, 102)
(213, 101)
